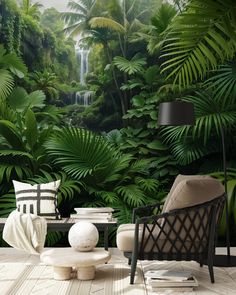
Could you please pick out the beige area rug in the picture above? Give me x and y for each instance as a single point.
(24, 275)
(23, 279)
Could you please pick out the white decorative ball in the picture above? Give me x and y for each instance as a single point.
(83, 236)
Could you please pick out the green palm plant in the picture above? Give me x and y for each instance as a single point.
(160, 22)
(47, 82)
(77, 20)
(198, 38)
(109, 177)
(82, 154)
(10, 65)
(84, 17)
(31, 9)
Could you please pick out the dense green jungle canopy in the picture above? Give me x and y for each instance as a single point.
(79, 97)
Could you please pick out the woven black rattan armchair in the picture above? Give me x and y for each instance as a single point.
(182, 234)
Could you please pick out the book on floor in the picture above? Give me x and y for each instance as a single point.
(173, 275)
(157, 283)
(174, 289)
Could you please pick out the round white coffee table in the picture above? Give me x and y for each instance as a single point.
(63, 259)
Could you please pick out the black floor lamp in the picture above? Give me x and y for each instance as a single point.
(177, 113)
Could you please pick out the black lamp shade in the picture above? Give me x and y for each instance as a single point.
(176, 113)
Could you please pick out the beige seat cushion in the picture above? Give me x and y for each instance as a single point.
(125, 237)
(178, 179)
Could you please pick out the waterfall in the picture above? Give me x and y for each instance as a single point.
(83, 58)
(83, 97)
(77, 97)
(87, 98)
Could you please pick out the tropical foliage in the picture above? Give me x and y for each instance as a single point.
(110, 177)
(199, 38)
(80, 92)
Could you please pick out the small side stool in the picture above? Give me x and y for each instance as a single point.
(63, 259)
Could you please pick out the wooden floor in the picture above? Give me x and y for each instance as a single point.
(23, 274)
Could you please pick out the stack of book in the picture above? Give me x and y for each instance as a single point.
(101, 215)
(179, 281)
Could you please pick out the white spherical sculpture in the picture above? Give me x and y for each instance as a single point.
(83, 236)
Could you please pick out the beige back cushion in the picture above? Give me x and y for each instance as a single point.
(191, 192)
(178, 179)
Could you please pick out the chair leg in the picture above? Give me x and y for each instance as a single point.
(129, 261)
(211, 272)
(133, 269)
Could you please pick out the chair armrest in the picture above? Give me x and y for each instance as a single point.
(148, 210)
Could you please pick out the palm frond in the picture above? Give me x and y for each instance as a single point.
(188, 151)
(14, 171)
(147, 184)
(200, 37)
(133, 66)
(109, 198)
(104, 22)
(7, 203)
(6, 83)
(15, 153)
(122, 212)
(82, 153)
(131, 194)
(223, 83)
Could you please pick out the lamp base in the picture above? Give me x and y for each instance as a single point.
(224, 260)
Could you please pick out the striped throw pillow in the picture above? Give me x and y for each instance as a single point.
(39, 199)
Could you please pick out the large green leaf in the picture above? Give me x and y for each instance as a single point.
(157, 145)
(133, 66)
(14, 63)
(10, 132)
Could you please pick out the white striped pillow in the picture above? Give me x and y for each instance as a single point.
(39, 199)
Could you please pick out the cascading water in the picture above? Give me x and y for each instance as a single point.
(83, 97)
(83, 55)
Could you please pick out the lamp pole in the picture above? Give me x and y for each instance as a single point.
(225, 184)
